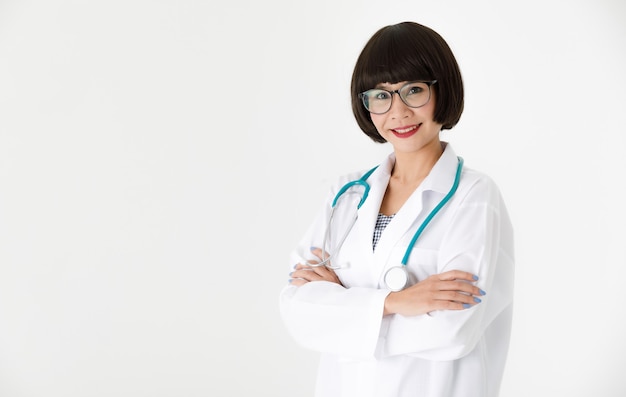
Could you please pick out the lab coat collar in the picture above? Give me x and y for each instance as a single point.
(440, 178)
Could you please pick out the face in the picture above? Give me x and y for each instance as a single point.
(408, 129)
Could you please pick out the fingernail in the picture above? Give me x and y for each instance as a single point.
(477, 300)
(296, 265)
(466, 306)
(290, 279)
(313, 248)
(482, 292)
(290, 273)
(475, 277)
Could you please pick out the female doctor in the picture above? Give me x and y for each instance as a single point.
(404, 280)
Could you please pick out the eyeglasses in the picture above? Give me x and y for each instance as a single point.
(414, 94)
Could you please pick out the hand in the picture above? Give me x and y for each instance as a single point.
(451, 290)
(305, 273)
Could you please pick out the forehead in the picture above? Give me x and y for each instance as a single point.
(391, 86)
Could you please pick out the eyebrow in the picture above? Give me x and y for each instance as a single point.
(387, 86)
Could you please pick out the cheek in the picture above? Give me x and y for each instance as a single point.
(429, 109)
(378, 120)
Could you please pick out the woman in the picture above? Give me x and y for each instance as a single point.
(439, 323)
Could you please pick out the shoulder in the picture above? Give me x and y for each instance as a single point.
(375, 174)
(351, 178)
(477, 186)
(363, 174)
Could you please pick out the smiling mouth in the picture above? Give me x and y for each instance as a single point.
(406, 130)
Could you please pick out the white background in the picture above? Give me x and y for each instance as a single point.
(159, 160)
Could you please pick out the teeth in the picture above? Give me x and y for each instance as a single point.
(405, 130)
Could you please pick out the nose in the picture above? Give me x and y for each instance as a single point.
(398, 109)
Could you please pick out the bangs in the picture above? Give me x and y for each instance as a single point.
(391, 59)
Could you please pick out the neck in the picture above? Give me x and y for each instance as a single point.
(414, 167)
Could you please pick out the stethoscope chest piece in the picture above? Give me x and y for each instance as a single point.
(396, 278)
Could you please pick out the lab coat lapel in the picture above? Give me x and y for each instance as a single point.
(364, 229)
(412, 213)
(385, 257)
(381, 259)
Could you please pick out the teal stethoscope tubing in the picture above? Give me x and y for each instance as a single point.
(363, 182)
(444, 201)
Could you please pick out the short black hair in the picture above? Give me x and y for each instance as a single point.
(408, 51)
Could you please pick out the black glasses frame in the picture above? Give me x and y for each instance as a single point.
(428, 83)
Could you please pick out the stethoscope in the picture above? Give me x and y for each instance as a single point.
(396, 277)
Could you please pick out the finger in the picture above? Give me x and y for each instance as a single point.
(307, 265)
(300, 266)
(315, 266)
(318, 273)
(328, 274)
(305, 274)
(449, 305)
(319, 253)
(457, 297)
(298, 282)
(460, 286)
(310, 267)
(323, 270)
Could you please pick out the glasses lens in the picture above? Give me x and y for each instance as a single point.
(377, 101)
(415, 94)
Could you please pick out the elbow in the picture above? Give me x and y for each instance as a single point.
(455, 339)
(441, 336)
(458, 346)
(452, 348)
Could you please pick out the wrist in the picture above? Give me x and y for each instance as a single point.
(389, 307)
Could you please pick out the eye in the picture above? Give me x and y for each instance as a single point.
(415, 89)
(379, 95)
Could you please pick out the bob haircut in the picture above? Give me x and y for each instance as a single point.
(408, 51)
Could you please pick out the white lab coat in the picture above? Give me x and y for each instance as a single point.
(440, 354)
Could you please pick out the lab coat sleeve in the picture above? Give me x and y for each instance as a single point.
(325, 316)
(480, 241)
